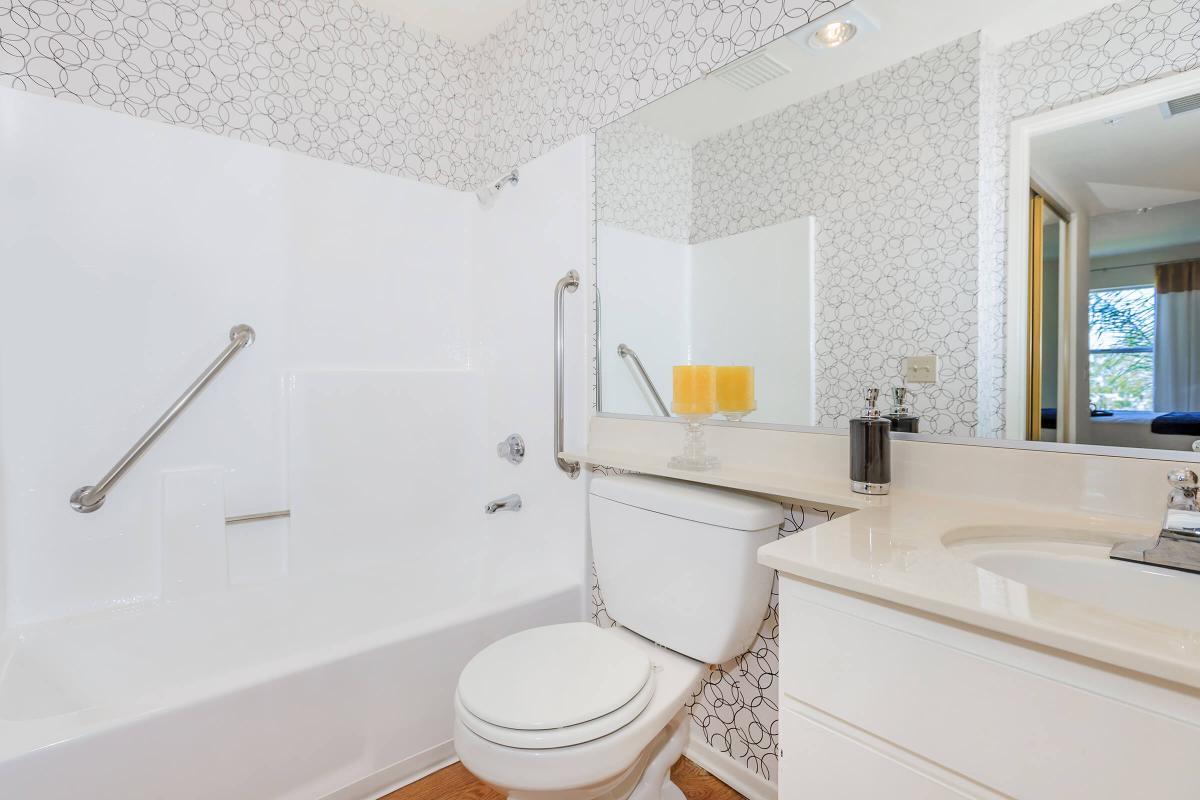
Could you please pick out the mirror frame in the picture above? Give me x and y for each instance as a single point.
(1021, 133)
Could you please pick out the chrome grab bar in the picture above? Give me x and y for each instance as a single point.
(87, 499)
(567, 283)
(625, 351)
(242, 519)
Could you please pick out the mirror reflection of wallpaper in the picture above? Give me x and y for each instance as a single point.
(630, 154)
(886, 164)
(953, 192)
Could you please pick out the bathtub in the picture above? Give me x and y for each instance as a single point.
(334, 687)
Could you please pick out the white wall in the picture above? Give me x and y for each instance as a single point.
(752, 304)
(131, 247)
(644, 289)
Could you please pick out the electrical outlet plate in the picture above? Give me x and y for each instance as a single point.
(921, 369)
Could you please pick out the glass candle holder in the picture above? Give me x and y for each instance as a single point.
(695, 451)
(735, 392)
(695, 400)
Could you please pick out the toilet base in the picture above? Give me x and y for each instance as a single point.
(649, 778)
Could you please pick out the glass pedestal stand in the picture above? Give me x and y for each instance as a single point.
(694, 456)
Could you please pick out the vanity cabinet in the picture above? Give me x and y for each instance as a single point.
(878, 701)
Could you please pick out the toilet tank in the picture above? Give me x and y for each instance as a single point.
(677, 562)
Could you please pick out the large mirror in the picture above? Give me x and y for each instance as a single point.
(834, 212)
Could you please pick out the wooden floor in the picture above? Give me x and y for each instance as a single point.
(455, 783)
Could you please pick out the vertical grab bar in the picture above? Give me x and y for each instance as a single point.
(567, 283)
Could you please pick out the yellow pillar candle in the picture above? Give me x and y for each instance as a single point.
(735, 389)
(695, 389)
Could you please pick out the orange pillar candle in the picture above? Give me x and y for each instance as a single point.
(695, 390)
(735, 389)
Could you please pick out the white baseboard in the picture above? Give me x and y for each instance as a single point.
(402, 773)
(750, 784)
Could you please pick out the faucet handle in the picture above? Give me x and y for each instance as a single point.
(1183, 490)
(512, 449)
(1183, 478)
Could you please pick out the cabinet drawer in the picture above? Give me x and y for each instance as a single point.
(822, 763)
(956, 698)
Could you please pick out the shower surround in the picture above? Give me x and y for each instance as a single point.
(307, 657)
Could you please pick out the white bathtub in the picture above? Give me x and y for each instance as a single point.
(338, 687)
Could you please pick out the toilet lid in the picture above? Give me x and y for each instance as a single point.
(558, 737)
(553, 677)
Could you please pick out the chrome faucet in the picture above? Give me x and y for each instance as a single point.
(1177, 545)
(510, 503)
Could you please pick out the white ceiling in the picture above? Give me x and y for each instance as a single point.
(1162, 228)
(905, 29)
(466, 22)
(1145, 160)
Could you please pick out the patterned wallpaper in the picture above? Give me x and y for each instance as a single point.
(330, 79)
(887, 164)
(326, 78)
(643, 181)
(736, 706)
(566, 67)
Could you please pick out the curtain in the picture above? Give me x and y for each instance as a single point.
(1177, 336)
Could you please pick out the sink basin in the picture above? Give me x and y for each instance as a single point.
(1075, 565)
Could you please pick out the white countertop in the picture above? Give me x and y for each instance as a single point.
(893, 550)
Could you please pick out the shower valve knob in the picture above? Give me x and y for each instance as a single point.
(512, 449)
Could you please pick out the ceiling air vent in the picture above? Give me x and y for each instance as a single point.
(752, 72)
(1181, 105)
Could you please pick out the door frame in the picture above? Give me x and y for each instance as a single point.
(1021, 134)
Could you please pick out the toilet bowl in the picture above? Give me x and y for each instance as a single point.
(619, 753)
(577, 712)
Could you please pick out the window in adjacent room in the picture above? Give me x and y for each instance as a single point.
(1121, 348)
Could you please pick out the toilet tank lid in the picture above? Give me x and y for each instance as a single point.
(711, 505)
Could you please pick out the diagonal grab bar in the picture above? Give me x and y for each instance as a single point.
(625, 351)
(87, 499)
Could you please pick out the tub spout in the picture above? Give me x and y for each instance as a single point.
(510, 503)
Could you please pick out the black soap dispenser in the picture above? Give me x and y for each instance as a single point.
(902, 417)
(871, 449)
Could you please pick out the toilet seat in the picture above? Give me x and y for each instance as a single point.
(554, 686)
(559, 737)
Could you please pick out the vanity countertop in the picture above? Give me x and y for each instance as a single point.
(902, 549)
(911, 549)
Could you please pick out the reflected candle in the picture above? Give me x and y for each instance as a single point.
(735, 390)
(695, 390)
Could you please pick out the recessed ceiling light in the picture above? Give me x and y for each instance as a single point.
(833, 34)
(833, 29)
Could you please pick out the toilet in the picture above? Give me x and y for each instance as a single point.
(578, 712)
